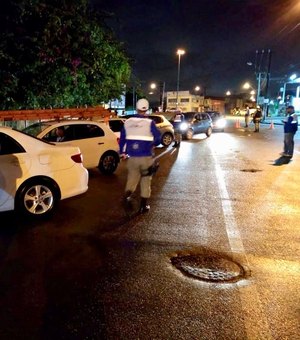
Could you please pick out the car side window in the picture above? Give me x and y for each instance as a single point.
(8, 145)
(116, 125)
(156, 119)
(83, 131)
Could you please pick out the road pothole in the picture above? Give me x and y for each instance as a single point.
(210, 268)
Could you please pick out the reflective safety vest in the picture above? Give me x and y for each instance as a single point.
(138, 129)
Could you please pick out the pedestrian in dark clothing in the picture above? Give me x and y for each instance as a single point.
(257, 118)
(290, 125)
(138, 137)
(176, 121)
(247, 117)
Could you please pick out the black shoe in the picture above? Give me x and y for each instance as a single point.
(145, 207)
(127, 201)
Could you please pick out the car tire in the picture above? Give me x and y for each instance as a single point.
(189, 134)
(208, 132)
(37, 198)
(167, 139)
(109, 163)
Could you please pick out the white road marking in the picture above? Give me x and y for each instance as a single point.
(256, 327)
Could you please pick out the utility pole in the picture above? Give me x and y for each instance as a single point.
(262, 73)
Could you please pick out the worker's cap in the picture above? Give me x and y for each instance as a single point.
(142, 105)
(290, 107)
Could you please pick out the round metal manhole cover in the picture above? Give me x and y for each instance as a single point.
(211, 268)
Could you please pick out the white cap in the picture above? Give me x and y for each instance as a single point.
(142, 105)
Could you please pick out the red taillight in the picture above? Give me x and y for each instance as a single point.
(77, 158)
(118, 140)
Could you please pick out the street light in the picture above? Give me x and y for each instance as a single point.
(152, 87)
(179, 52)
(248, 86)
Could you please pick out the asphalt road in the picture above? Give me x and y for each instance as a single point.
(90, 273)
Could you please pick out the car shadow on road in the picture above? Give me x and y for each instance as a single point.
(282, 160)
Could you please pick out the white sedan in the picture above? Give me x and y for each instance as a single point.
(35, 175)
(98, 144)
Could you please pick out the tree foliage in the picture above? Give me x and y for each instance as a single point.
(59, 54)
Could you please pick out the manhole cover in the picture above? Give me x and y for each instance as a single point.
(212, 268)
(250, 170)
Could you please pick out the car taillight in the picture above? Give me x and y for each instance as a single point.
(118, 140)
(77, 158)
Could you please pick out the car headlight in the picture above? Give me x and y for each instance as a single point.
(183, 126)
(221, 123)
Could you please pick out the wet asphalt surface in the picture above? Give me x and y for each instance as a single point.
(90, 273)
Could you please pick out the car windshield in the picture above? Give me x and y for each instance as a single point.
(189, 116)
(35, 129)
(214, 115)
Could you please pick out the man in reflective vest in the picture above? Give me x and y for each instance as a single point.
(138, 137)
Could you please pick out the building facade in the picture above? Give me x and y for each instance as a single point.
(192, 102)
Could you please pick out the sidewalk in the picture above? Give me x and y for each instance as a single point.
(276, 120)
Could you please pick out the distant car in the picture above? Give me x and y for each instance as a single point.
(97, 142)
(218, 120)
(35, 175)
(194, 123)
(164, 126)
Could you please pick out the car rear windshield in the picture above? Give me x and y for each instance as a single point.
(35, 129)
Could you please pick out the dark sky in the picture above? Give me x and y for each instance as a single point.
(219, 36)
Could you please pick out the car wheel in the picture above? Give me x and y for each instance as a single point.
(37, 198)
(209, 132)
(167, 139)
(189, 134)
(109, 163)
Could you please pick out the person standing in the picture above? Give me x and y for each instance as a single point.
(247, 117)
(176, 121)
(290, 125)
(256, 118)
(138, 137)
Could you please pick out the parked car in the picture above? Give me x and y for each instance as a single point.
(194, 123)
(35, 175)
(218, 120)
(96, 141)
(164, 126)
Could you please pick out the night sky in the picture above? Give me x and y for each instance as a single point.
(219, 36)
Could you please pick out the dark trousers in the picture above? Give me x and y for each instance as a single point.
(256, 124)
(288, 147)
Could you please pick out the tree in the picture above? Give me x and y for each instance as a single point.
(58, 54)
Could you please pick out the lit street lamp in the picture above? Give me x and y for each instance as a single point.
(152, 87)
(248, 86)
(180, 52)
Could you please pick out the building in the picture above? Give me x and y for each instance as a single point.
(193, 102)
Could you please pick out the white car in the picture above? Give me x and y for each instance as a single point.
(35, 175)
(98, 144)
(163, 125)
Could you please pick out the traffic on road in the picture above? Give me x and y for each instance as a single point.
(217, 255)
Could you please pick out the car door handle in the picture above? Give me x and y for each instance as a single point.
(100, 143)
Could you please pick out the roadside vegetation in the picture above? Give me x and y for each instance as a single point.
(58, 54)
